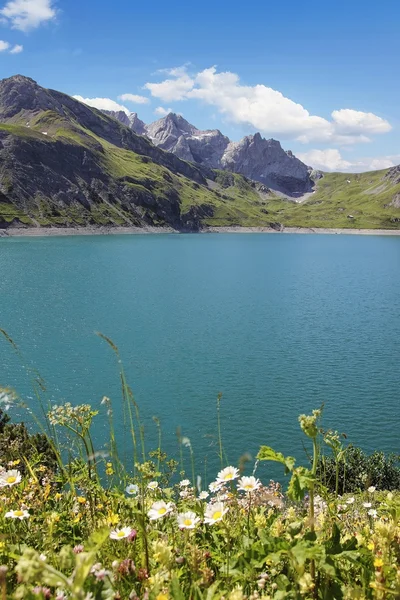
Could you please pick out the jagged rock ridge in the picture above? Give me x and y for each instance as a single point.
(255, 157)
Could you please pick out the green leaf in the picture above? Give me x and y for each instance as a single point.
(300, 482)
(175, 590)
(267, 453)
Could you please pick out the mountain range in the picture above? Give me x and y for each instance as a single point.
(254, 157)
(66, 164)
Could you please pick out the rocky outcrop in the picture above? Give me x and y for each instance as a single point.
(174, 134)
(265, 160)
(132, 120)
(255, 157)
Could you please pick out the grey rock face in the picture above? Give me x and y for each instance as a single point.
(265, 160)
(132, 120)
(255, 157)
(174, 134)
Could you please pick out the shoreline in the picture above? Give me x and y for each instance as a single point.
(72, 231)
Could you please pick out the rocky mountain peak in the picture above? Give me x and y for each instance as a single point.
(255, 157)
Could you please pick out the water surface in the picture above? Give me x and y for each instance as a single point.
(279, 324)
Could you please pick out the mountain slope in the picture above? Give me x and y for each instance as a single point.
(63, 163)
(255, 157)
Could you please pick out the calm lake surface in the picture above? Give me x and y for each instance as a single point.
(278, 323)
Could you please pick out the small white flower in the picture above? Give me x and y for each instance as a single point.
(350, 500)
(188, 520)
(371, 489)
(203, 495)
(227, 474)
(152, 485)
(372, 513)
(249, 484)
(367, 504)
(186, 442)
(120, 534)
(184, 494)
(214, 486)
(17, 514)
(43, 557)
(214, 513)
(184, 483)
(10, 478)
(132, 489)
(160, 509)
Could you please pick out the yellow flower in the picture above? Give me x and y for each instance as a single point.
(99, 506)
(371, 546)
(81, 500)
(378, 562)
(108, 464)
(16, 462)
(77, 518)
(2, 545)
(112, 519)
(109, 471)
(162, 596)
(57, 496)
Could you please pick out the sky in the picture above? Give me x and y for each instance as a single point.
(321, 77)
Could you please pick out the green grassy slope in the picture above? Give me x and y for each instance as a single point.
(228, 200)
(367, 197)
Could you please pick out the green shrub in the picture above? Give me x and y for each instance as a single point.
(358, 471)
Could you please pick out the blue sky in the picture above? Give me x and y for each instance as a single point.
(322, 77)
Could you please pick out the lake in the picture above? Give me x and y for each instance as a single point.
(277, 323)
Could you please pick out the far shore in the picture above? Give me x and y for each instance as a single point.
(90, 230)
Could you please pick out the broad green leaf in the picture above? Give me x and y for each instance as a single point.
(268, 453)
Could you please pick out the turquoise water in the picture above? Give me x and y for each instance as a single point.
(278, 323)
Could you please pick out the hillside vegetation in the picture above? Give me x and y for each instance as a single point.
(64, 164)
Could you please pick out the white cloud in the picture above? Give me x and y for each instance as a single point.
(265, 109)
(325, 160)
(331, 160)
(4, 46)
(160, 110)
(172, 89)
(17, 49)
(134, 98)
(103, 104)
(350, 121)
(28, 14)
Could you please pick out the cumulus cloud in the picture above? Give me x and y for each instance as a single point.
(265, 109)
(17, 49)
(27, 14)
(172, 89)
(332, 160)
(4, 46)
(103, 103)
(134, 98)
(160, 110)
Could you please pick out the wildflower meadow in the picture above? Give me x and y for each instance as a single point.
(89, 527)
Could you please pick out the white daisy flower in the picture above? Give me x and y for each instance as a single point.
(132, 489)
(214, 486)
(120, 534)
(17, 514)
(214, 513)
(152, 485)
(367, 504)
(227, 474)
(187, 520)
(203, 495)
(372, 513)
(10, 478)
(184, 483)
(350, 500)
(248, 484)
(371, 489)
(160, 509)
